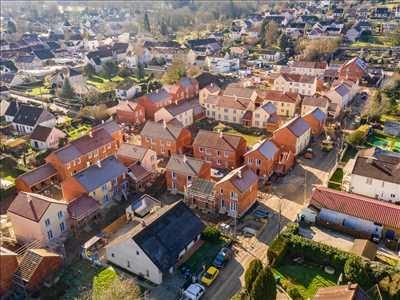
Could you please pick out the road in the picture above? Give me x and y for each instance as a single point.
(288, 198)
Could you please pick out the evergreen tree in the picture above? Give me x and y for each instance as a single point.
(110, 68)
(251, 274)
(67, 91)
(355, 270)
(263, 32)
(89, 70)
(264, 287)
(283, 42)
(146, 22)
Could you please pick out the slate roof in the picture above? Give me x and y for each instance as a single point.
(159, 239)
(315, 101)
(82, 207)
(41, 133)
(8, 64)
(298, 126)
(132, 151)
(200, 185)
(318, 114)
(357, 206)
(31, 115)
(27, 59)
(95, 176)
(379, 166)
(215, 140)
(183, 164)
(342, 89)
(176, 109)
(7, 77)
(267, 148)
(161, 95)
(158, 131)
(12, 109)
(43, 54)
(242, 178)
(38, 175)
(30, 206)
(200, 42)
(269, 108)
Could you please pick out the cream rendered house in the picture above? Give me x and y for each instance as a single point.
(302, 84)
(227, 109)
(342, 93)
(211, 89)
(262, 114)
(37, 217)
(183, 112)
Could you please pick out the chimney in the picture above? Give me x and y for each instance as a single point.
(98, 163)
(90, 133)
(221, 134)
(184, 158)
(164, 124)
(235, 97)
(31, 206)
(239, 174)
(102, 121)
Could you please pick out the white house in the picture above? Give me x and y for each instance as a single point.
(311, 68)
(36, 217)
(222, 64)
(183, 112)
(28, 117)
(153, 246)
(342, 93)
(127, 90)
(376, 174)
(302, 84)
(44, 137)
(263, 114)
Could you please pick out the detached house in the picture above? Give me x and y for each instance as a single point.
(154, 101)
(183, 112)
(181, 170)
(46, 138)
(104, 181)
(376, 174)
(211, 89)
(266, 117)
(128, 112)
(165, 138)
(302, 84)
(127, 89)
(153, 248)
(28, 117)
(37, 217)
(353, 70)
(310, 68)
(294, 135)
(316, 120)
(237, 191)
(220, 149)
(311, 102)
(261, 158)
(342, 93)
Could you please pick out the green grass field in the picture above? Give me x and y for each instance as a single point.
(250, 139)
(37, 91)
(78, 132)
(308, 279)
(9, 169)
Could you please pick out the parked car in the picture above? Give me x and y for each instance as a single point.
(194, 292)
(224, 227)
(309, 153)
(263, 214)
(222, 257)
(249, 232)
(209, 276)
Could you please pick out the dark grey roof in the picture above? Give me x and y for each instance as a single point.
(31, 115)
(7, 77)
(41, 133)
(176, 109)
(43, 54)
(25, 59)
(201, 42)
(200, 185)
(160, 241)
(39, 174)
(161, 95)
(9, 64)
(74, 72)
(266, 148)
(12, 109)
(95, 176)
(183, 164)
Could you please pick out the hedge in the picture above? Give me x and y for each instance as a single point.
(279, 246)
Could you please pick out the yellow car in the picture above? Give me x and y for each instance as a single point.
(209, 276)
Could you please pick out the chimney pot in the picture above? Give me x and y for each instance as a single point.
(98, 163)
(184, 158)
(90, 133)
(164, 124)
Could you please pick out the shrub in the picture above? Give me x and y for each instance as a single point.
(391, 285)
(290, 288)
(251, 273)
(264, 287)
(277, 250)
(211, 233)
(356, 271)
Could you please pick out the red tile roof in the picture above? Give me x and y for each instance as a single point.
(357, 206)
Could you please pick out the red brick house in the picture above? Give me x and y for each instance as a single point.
(293, 136)
(221, 149)
(154, 101)
(316, 120)
(37, 179)
(9, 264)
(353, 70)
(100, 143)
(35, 266)
(184, 89)
(237, 191)
(181, 170)
(129, 113)
(165, 139)
(262, 158)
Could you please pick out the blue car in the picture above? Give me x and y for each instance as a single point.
(259, 213)
(221, 258)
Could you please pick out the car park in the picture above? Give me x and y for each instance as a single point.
(209, 276)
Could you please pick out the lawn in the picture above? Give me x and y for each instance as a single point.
(9, 169)
(334, 186)
(250, 139)
(76, 279)
(308, 279)
(78, 132)
(337, 175)
(37, 91)
(204, 255)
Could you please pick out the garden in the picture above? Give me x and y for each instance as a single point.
(303, 266)
(77, 132)
(335, 182)
(383, 141)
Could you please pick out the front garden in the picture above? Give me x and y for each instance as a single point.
(335, 182)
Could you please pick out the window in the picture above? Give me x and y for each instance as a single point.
(234, 206)
(208, 152)
(47, 222)
(104, 187)
(234, 196)
(369, 181)
(221, 191)
(62, 226)
(201, 149)
(257, 116)
(189, 179)
(392, 195)
(137, 252)
(49, 234)
(112, 255)
(218, 153)
(173, 174)
(219, 162)
(226, 153)
(258, 162)
(60, 214)
(128, 264)
(225, 110)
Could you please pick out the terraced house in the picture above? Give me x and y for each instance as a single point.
(302, 84)
(222, 150)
